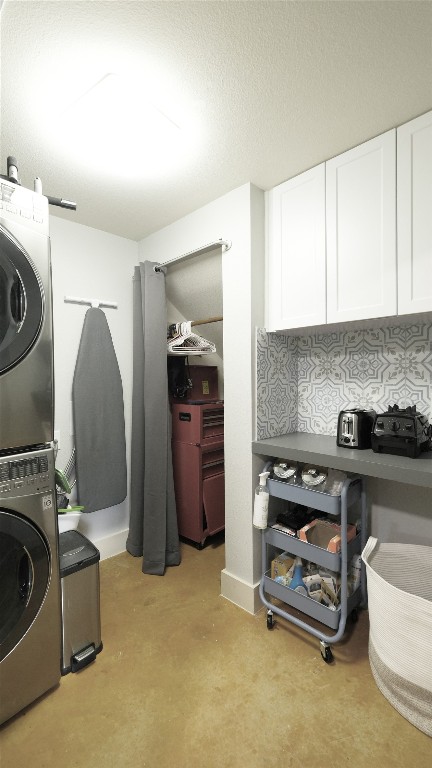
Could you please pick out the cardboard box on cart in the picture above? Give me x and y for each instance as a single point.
(281, 565)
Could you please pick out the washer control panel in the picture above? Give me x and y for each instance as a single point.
(22, 474)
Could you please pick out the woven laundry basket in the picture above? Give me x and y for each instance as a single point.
(399, 581)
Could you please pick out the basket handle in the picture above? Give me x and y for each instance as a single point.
(369, 548)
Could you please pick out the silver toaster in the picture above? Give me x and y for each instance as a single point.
(355, 428)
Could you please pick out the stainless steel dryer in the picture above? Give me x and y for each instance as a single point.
(26, 338)
(30, 613)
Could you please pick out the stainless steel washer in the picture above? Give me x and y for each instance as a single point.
(30, 612)
(26, 337)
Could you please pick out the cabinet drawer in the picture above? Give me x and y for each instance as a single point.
(196, 424)
(213, 423)
(212, 463)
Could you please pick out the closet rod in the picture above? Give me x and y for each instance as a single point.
(224, 244)
(92, 302)
(215, 319)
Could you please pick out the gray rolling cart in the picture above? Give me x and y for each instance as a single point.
(81, 626)
(352, 490)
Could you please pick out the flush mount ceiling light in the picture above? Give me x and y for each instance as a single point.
(114, 126)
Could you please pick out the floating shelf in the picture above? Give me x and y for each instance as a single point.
(323, 451)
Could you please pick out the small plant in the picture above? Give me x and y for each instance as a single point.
(63, 491)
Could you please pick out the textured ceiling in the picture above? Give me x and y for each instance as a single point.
(276, 88)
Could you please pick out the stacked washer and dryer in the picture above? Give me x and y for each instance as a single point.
(30, 612)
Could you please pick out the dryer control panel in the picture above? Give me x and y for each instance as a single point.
(23, 206)
(21, 474)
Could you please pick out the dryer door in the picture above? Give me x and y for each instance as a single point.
(24, 577)
(21, 302)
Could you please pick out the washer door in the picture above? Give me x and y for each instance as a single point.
(24, 578)
(21, 302)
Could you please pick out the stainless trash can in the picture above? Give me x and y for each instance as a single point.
(80, 599)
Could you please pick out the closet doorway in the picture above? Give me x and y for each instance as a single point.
(194, 293)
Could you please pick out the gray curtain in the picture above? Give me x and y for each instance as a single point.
(153, 532)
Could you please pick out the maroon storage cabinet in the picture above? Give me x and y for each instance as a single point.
(198, 463)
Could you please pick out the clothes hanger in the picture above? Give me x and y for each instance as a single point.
(184, 342)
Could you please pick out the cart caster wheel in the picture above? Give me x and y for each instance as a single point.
(327, 654)
(270, 620)
(354, 616)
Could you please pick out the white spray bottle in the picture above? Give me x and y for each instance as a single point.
(261, 502)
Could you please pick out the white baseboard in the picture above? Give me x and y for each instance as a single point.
(241, 593)
(111, 545)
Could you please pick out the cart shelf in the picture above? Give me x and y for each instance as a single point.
(328, 616)
(311, 497)
(329, 560)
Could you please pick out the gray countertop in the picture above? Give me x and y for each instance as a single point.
(322, 450)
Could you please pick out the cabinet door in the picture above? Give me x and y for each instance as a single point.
(361, 231)
(188, 490)
(296, 269)
(414, 202)
(214, 502)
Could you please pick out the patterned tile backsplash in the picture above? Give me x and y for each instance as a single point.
(304, 381)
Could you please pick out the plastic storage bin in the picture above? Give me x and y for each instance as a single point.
(80, 599)
(399, 580)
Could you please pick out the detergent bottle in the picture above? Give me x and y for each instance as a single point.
(297, 583)
(261, 502)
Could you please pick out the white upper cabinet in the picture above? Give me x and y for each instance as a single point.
(414, 203)
(361, 231)
(341, 248)
(296, 264)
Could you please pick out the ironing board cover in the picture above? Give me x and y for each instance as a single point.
(98, 415)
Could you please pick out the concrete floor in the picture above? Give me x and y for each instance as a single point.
(187, 679)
